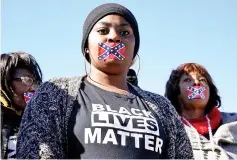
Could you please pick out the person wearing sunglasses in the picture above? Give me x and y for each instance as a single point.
(20, 76)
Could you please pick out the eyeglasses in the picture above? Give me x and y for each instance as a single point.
(26, 80)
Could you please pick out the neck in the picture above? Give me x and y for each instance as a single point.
(192, 113)
(108, 81)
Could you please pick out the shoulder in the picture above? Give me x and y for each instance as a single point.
(165, 107)
(160, 101)
(6, 105)
(62, 82)
(54, 92)
(51, 99)
(148, 94)
(173, 127)
(54, 85)
(228, 117)
(162, 107)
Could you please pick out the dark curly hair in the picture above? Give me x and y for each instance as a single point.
(172, 89)
(17, 60)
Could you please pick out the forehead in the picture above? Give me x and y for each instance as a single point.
(190, 67)
(192, 74)
(21, 72)
(113, 19)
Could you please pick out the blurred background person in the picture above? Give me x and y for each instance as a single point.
(132, 77)
(20, 76)
(192, 92)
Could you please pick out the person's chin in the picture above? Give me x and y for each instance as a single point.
(113, 63)
(198, 101)
(113, 68)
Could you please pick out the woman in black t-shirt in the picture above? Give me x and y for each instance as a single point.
(100, 115)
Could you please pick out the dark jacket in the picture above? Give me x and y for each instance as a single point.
(10, 122)
(52, 105)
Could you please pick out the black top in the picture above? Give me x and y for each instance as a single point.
(9, 129)
(109, 125)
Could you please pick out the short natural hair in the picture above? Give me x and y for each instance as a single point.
(17, 60)
(172, 86)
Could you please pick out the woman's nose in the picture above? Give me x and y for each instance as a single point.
(33, 87)
(196, 83)
(114, 36)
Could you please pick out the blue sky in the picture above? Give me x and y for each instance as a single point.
(172, 32)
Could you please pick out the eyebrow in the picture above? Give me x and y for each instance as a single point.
(188, 76)
(110, 24)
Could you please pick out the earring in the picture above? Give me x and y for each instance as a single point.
(133, 62)
(87, 50)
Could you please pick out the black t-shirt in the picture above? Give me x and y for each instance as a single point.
(108, 125)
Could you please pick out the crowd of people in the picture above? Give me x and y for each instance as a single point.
(105, 114)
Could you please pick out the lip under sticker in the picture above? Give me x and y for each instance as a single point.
(28, 96)
(114, 51)
(196, 92)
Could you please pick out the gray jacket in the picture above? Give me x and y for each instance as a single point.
(225, 140)
(43, 131)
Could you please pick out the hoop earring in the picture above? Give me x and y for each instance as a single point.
(85, 64)
(138, 65)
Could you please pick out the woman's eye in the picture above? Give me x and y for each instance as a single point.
(124, 32)
(203, 80)
(103, 31)
(187, 80)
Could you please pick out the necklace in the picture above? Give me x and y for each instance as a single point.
(96, 81)
(124, 91)
(198, 136)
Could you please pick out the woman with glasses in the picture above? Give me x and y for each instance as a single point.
(20, 76)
